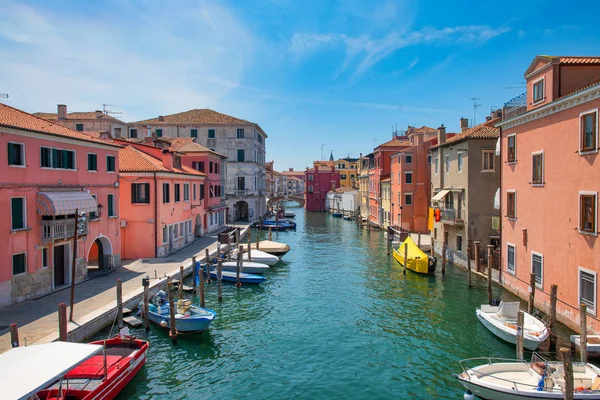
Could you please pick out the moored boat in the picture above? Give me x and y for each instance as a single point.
(593, 345)
(501, 320)
(249, 267)
(518, 379)
(257, 256)
(230, 276)
(417, 260)
(73, 371)
(188, 318)
(289, 214)
(273, 248)
(337, 214)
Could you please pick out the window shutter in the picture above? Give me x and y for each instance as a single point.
(17, 213)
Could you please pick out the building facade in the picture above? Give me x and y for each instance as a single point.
(344, 200)
(319, 181)
(348, 171)
(550, 185)
(243, 142)
(365, 164)
(92, 121)
(48, 174)
(386, 202)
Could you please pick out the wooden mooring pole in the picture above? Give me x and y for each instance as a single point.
(146, 285)
(257, 242)
(477, 255)
(552, 322)
(444, 248)
(173, 330)
(270, 234)
(180, 287)
(119, 304)
(219, 280)
(229, 247)
(531, 304)
(14, 335)
(405, 257)
(238, 267)
(201, 285)
(207, 257)
(520, 323)
(419, 240)
(583, 333)
(568, 368)
(194, 272)
(490, 262)
(469, 253)
(249, 248)
(389, 240)
(62, 322)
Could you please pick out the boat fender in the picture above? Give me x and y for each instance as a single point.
(579, 389)
(163, 323)
(187, 314)
(469, 395)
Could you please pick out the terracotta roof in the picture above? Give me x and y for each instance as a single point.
(396, 142)
(386, 180)
(13, 118)
(188, 145)
(134, 160)
(423, 129)
(486, 130)
(595, 83)
(344, 189)
(579, 60)
(84, 115)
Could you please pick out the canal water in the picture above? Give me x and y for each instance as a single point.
(336, 319)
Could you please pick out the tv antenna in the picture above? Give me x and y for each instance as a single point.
(322, 154)
(105, 111)
(476, 105)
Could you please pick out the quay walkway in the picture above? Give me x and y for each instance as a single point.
(95, 299)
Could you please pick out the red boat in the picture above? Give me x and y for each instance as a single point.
(71, 371)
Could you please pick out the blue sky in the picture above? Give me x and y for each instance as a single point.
(336, 73)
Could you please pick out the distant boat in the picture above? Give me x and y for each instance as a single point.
(593, 345)
(188, 318)
(248, 267)
(229, 276)
(259, 257)
(291, 224)
(417, 261)
(502, 322)
(289, 214)
(337, 214)
(347, 217)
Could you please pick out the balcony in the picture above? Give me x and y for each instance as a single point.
(60, 229)
(452, 216)
(515, 107)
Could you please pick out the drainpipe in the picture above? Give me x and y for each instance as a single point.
(155, 217)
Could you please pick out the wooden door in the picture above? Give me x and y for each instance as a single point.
(59, 266)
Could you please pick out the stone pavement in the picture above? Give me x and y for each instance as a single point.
(95, 299)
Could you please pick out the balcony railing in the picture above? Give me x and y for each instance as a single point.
(452, 216)
(60, 229)
(515, 106)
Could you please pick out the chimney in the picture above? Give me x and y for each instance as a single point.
(62, 111)
(464, 124)
(149, 141)
(441, 134)
(360, 155)
(104, 135)
(291, 169)
(418, 139)
(497, 113)
(99, 114)
(488, 118)
(161, 118)
(167, 159)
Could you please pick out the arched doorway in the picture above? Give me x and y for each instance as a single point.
(241, 211)
(198, 226)
(98, 260)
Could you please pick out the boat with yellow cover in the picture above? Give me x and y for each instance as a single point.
(417, 261)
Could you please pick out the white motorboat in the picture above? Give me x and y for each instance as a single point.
(289, 214)
(502, 379)
(249, 267)
(502, 322)
(274, 248)
(258, 256)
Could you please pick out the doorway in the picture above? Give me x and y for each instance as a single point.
(58, 264)
(241, 211)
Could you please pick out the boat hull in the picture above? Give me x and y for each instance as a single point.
(188, 325)
(420, 266)
(507, 336)
(229, 276)
(249, 267)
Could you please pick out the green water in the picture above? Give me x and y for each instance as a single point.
(336, 319)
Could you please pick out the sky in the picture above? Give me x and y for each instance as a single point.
(318, 76)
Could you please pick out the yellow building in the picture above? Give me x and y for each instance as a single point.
(348, 168)
(386, 202)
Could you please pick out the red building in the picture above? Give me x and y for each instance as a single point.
(319, 180)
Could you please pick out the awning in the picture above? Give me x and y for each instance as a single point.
(440, 195)
(497, 199)
(65, 203)
(25, 370)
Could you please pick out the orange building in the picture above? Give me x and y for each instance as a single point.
(549, 184)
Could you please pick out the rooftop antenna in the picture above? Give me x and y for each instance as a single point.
(322, 154)
(476, 105)
(105, 111)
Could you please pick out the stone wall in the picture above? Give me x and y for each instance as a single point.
(30, 286)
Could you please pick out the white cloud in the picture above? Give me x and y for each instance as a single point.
(159, 57)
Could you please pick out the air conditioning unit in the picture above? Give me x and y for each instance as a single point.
(123, 223)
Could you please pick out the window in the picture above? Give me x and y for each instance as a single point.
(310, 177)
(159, 133)
(342, 176)
(110, 163)
(436, 165)
(537, 267)
(16, 154)
(45, 257)
(241, 183)
(512, 148)
(133, 133)
(181, 229)
(92, 214)
(198, 165)
(537, 169)
(177, 188)
(19, 263)
(19, 216)
(511, 204)
(259, 138)
(408, 177)
(166, 193)
(140, 193)
(588, 131)
(408, 158)
(112, 212)
(408, 199)
(175, 231)
(447, 165)
(45, 157)
(240, 133)
(57, 158)
(458, 243)
(165, 235)
(194, 191)
(201, 190)
(510, 258)
(587, 289)
(588, 208)
(210, 167)
(428, 159)
(194, 133)
(487, 160)
(538, 91)
(310, 189)
(240, 155)
(459, 159)
(79, 127)
(211, 133)
(92, 162)
(186, 192)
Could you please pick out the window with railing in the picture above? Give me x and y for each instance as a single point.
(587, 289)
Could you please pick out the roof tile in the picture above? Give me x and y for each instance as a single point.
(134, 160)
(486, 130)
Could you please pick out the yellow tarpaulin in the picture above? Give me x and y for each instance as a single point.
(430, 219)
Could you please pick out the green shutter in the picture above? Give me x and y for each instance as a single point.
(159, 133)
(194, 133)
(111, 205)
(240, 155)
(55, 158)
(79, 127)
(211, 133)
(18, 263)
(17, 213)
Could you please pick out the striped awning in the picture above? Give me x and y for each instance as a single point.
(65, 203)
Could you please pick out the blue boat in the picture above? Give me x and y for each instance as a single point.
(281, 223)
(276, 227)
(188, 318)
(337, 215)
(230, 276)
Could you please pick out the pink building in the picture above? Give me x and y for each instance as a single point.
(550, 183)
(319, 180)
(162, 201)
(48, 173)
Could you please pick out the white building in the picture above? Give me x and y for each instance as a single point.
(242, 141)
(344, 199)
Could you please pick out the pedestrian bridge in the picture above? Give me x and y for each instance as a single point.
(298, 198)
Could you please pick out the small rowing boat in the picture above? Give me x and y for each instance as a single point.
(417, 260)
